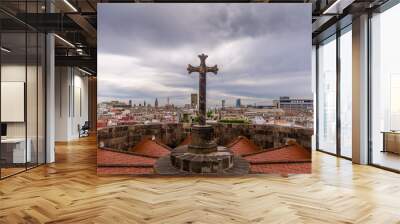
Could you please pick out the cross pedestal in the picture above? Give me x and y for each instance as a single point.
(202, 134)
(202, 139)
(202, 155)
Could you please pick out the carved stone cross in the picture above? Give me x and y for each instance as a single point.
(202, 70)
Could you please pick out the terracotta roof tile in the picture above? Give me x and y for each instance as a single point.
(153, 148)
(242, 146)
(290, 153)
(286, 160)
(283, 168)
(119, 159)
(112, 157)
(124, 170)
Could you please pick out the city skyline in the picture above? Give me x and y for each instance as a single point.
(164, 102)
(239, 38)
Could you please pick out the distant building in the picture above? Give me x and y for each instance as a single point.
(116, 103)
(238, 103)
(144, 103)
(275, 103)
(294, 104)
(156, 103)
(193, 100)
(258, 120)
(223, 104)
(130, 103)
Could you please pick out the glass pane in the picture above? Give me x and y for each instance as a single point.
(31, 100)
(346, 94)
(23, 90)
(14, 5)
(386, 89)
(13, 87)
(41, 98)
(314, 78)
(327, 96)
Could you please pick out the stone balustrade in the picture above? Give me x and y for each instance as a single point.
(265, 136)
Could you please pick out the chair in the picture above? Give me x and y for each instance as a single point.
(84, 130)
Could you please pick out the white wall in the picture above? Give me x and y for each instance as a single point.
(16, 73)
(33, 126)
(62, 82)
(71, 102)
(12, 73)
(80, 110)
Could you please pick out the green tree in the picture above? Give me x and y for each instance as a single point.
(209, 113)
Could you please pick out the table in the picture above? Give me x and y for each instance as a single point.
(391, 141)
(13, 150)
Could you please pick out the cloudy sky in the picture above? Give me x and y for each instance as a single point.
(263, 51)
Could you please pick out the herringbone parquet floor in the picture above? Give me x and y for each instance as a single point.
(69, 191)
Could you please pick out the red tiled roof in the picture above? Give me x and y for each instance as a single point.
(291, 153)
(140, 159)
(242, 146)
(114, 162)
(153, 148)
(125, 170)
(186, 141)
(114, 157)
(283, 168)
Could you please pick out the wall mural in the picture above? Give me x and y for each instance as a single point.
(201, 89)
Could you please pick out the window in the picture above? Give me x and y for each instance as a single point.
(14, 148)
(22, 88)
(327, 95)
(346, 92)
(385, 89)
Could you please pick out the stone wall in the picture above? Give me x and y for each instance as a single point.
(124, 137)
(265, 136)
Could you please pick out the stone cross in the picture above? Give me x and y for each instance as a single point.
(202, 70)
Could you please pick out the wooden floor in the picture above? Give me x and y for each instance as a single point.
(386, 159)
(69, 191)
(5, 172)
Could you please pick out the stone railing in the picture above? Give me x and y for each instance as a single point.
(126, 136)
(265, 136)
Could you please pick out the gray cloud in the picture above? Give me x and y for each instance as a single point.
(263, 51)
